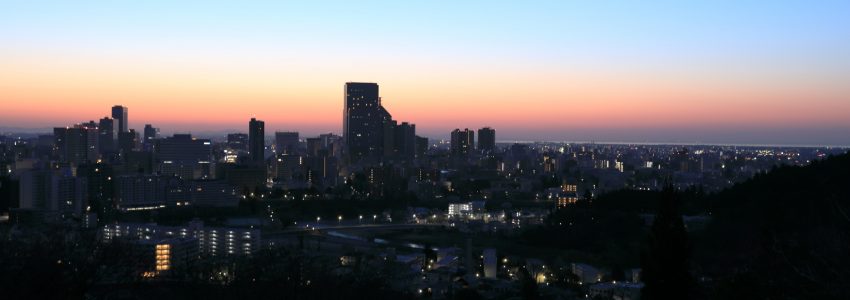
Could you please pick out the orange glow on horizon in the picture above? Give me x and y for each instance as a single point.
(191, 95)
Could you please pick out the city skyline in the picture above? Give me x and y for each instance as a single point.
(736, 137)
(678, 73)
(424, 150)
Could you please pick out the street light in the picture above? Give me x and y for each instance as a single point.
(339, 219)
(361, 219)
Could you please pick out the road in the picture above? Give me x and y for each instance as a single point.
(313, 228)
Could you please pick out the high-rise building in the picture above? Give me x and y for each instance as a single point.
(463, 141)
(332, 143)
(286, 142)
(119, 114)
(388, 137)
(364, 121)
(486, 139)
(184, 156)
(106, 137)
(92, 135)
(151, 133)
(128, 141)
(405, 140)
(256, 140)
(77, 144)
(314, 146)
(52, 190)
(184, 148)
(100, 186)
(421, 146)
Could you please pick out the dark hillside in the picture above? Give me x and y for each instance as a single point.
(782, 235)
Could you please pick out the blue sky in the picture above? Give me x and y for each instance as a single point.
(566, 53)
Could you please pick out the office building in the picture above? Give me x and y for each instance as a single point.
(256, 141)
(119, 114)
(91, 134)
(107, 136)
(364, 120)
(128, 141)
(184, 156)
(184, 148)
(286, 142)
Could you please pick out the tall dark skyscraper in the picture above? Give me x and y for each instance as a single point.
(364, 121)
(463, 141)
(106, 137)
(487, 139)
(256, 140)
(119, 114)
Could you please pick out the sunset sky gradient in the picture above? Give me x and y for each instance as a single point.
(635, 71)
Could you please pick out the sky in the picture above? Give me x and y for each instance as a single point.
(751, 72)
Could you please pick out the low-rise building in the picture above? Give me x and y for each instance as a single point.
(212, 241)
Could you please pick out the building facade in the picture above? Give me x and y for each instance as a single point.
(256, 140)
(119, 114)
(486, 139)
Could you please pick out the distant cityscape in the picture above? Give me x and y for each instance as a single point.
(446, 216)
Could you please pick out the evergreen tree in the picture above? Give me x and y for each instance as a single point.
(665, 259)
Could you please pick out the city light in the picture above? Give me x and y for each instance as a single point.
(579, 141)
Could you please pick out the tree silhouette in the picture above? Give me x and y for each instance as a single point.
(665, 259)
(528, 285)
